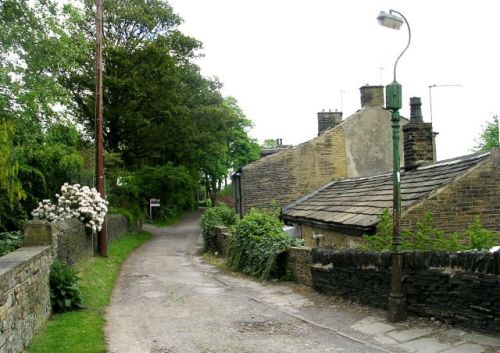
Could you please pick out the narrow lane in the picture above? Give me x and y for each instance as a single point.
(166, 301)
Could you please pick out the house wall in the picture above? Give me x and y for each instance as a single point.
(368, 142)
(290, 174)
(329, 239)
(454, 207)
(360, 146)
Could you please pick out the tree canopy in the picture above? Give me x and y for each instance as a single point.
(489, 136)
(159, 110)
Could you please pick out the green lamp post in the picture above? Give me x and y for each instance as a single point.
(393, 97)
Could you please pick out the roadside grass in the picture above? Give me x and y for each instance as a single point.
(83, 330)
(214, 260)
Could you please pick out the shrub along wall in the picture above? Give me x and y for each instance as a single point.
(24, 276)
(459, 288)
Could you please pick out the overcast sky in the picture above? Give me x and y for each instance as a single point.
(285, 60)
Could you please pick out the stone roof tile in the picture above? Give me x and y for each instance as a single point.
(358, 202)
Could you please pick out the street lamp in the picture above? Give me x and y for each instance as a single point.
(393, 97)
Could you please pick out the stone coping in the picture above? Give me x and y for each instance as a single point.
(18, 257)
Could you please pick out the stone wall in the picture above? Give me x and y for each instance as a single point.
(299, 260)
(117, 225)
(287, 175)
(221, 238)
(24, 275)
(24, 296)
(454, 207)
(459, 288)
(71, 241)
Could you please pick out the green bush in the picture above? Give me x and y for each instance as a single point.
(479, 238)
(382, 240)
(135, 217)
(64, 292)
(255, 244)
(10, 241)
(428, 238)
(173, 185)
(215, 216)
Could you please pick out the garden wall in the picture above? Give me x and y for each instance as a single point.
(299, 260)
(24, 296)
(24, 275)
(459, 288)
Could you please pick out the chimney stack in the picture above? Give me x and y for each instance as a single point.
(328, 120)
(372, 96)
(419, 144)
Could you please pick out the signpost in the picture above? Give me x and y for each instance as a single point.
(153, 203)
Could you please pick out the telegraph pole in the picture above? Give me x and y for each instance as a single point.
(99, 121)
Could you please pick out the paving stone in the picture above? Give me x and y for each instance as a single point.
(386, 340)
(482, 339)
(302, 302)
(367, 320)
(453, 334)
(411, 334)
(375, 328)
(426, 345)
(466, 348)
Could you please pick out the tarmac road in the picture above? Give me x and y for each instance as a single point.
(168, 301)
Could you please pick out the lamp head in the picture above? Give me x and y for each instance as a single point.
(389, 20)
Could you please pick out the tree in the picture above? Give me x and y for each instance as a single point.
(242, 148)
(159, 110)
(488, 139)
(269, 143)
(149, 81)
(33, 53)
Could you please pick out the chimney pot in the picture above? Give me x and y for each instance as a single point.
(416, 110)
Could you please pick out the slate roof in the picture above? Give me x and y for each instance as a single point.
(357, 202)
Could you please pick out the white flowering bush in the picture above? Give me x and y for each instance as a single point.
(75, 201)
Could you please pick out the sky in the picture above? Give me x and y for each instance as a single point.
(286, 60)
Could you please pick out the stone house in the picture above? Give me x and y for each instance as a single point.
(454, 191)
(355, 147)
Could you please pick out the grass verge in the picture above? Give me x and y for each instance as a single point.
(83, 330)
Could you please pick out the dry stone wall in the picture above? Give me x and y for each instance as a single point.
(459, 288)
